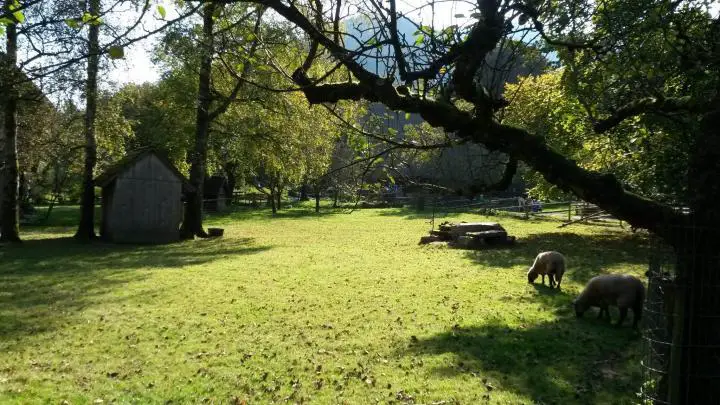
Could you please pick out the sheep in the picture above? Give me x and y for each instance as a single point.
(620, 290)
(551, 263)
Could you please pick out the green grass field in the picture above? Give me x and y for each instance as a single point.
(335, 308)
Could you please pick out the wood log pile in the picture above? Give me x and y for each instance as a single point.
(470, 235)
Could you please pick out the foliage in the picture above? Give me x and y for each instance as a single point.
(161, 115)
(263, 136)
(283, 315)
(646, 156)
(51, 142)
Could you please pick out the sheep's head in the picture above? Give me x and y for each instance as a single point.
(531, 275)
(580, 308)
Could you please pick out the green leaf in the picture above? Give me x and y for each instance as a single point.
(161, 11)
(19, 17)
(419, 40)
(2, 29)
(6, 21)
(72, 23)
(407, 116)
(116, 52)
(86, 17)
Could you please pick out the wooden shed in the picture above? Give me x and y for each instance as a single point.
(142, 199)
(216, 194)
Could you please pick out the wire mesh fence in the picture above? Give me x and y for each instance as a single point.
(681, 351)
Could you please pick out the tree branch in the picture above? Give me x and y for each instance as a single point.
(601, 189)
(399, 57)
(246, 69)
(534, 15)
(314, 42)
(649, 105)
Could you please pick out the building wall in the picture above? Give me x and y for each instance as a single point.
(146, 204)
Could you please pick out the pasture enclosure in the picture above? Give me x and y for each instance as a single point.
(331, 308)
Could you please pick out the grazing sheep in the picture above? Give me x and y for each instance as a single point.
(550, 263)
(620, 290)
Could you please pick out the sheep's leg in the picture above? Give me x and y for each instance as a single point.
(604, 310)
(623, 314)
(543, 279)
(637, 315)
(551, 276)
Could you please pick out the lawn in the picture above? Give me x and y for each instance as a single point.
(335, 308)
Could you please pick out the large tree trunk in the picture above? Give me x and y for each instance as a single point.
(26, 204)
(304, 192)
(192, 221)
(273, 200)
(695, 354)
(230, 169)
(86, 229)
(10, 210)
(317, 199)
(693, 359)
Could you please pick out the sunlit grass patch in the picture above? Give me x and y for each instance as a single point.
(311, 308)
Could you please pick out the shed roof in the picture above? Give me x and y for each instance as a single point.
(131, 158)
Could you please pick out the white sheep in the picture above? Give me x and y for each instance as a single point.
(551, 263)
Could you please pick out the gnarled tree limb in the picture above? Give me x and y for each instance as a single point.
(649, 105)
(601, 189)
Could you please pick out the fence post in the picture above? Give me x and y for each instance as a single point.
(569, 211)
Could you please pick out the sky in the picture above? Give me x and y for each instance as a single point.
(136, 66)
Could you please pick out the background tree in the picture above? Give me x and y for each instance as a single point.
(11, 75)
(86, 228)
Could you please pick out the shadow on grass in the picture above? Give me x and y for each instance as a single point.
(449, 214)
(427, 213)
(64, 219)
(60, 216)
(248, 213)
(587, 254)
(561, 362)
(43, 282)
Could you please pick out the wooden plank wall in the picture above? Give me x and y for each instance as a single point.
(147, 204)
